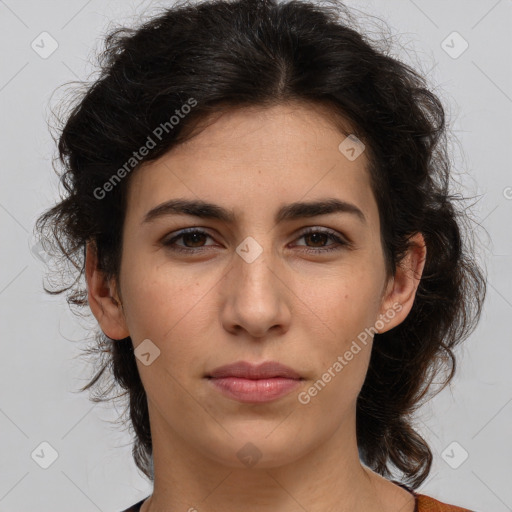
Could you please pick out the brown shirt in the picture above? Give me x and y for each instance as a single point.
(427, 504)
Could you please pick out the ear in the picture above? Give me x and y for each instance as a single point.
(401, 289)
(103, 298)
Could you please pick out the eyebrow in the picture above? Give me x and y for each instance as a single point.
(292, 211)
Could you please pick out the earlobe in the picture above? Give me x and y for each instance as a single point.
(103, 298)
(403, 286)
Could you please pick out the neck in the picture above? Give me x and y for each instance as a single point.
(327, 478)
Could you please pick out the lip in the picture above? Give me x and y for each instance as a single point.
(249, 383)
(246, 370)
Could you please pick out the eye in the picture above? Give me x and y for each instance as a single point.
(192, 235)
(316, 235)
(195, 237)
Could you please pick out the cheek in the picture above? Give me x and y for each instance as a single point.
(340, 348)
(338, 314)
(172, 307)
(158, 295)
(166, 311)
(344, 302)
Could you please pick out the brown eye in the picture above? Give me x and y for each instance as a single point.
(319, 236)
(193, 238)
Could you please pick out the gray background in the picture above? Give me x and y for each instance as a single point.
(40, 369)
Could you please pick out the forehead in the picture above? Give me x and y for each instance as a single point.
(250, 156)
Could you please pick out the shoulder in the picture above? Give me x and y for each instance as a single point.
(428, 504)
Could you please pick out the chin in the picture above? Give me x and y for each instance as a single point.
(265, 447)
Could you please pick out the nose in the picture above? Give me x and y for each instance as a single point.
(255, 298)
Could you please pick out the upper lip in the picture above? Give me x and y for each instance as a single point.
(244, 369)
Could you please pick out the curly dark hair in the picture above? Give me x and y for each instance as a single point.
(226, 54)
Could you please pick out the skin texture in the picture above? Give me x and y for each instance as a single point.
(211, 308)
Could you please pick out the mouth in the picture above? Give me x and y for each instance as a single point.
(248, 383)
(246, 370)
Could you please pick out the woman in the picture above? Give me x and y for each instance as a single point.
(258, 197)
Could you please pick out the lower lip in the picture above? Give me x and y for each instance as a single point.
(254, 390)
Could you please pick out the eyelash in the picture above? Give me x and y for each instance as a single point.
(340, 243)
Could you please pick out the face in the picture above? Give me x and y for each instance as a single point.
(255, 287)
